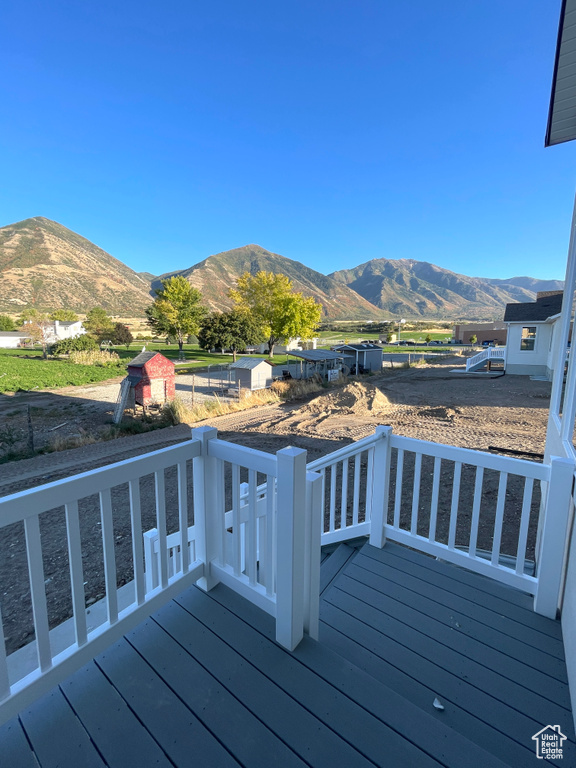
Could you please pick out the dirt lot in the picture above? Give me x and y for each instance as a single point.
(431, 403)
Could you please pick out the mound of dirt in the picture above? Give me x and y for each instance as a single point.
(355, 399)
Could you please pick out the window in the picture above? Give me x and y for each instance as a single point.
(528, 338)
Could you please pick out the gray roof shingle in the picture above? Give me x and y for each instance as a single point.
(541, 309)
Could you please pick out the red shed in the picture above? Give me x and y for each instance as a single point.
(151, 376)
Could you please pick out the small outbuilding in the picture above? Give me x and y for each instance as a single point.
(361, 358)
(152, 378)
(323, 362)
(12, 339)
(252, 373)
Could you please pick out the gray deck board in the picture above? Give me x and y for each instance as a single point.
(225, 716)
(317, 694)
(479, 589)
(120, 737)
(203, 683)
(15, 750)
(285, 716)
(166, 717)
(479, 654)
(52, 715)
(332, 566)
(482, 624)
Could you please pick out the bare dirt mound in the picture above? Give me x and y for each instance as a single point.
(355, 399)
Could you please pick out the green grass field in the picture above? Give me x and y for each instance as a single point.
(24, 369)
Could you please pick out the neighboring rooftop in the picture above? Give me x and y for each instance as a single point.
(315, 355)
(140, 360)
(545, 306)
(248, 362)
(358, 347)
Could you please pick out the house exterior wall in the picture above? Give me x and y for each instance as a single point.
(482, 331)
(525, 362)
(11, 342)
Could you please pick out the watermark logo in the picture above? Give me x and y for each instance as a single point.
(549, 743)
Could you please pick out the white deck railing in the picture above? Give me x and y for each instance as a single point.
(257, 528)
(267, 549)
(490, 353)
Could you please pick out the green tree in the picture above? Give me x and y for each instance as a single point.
(6, 323)
(272, 303)
(229, 330)
(473, 339)
(122, 335)
(428, 339)
(98, 324)
(177, 310)
(64, 315)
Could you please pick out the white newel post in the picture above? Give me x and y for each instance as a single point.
(290, 546)
(206, 517)
(380, 486)
(553, 539)
(312, 554)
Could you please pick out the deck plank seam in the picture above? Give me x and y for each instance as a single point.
(192, 713)
(413, 625)
(472, 615)
(467, 659)
(327, 681)
(444, 696)
(443, 671)
(552, 627)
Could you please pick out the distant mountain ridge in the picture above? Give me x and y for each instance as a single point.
(45, 265)
(215, 276)
(418, 288)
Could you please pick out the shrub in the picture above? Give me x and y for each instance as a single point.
(80, 343)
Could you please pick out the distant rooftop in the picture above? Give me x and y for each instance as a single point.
(315, 355)
(141, 359)
(358, 347)
(248, 362)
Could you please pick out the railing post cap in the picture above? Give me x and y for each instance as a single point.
(383, 431)
(562, 461)
(291, 450)
(204, 433)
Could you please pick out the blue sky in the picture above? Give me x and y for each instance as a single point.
(332, 132)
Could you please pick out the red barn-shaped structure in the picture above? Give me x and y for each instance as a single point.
(151, 377)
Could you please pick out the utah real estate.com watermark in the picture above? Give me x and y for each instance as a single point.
(549, 743)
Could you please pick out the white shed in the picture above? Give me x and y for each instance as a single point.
(12, 339)
(252, 373)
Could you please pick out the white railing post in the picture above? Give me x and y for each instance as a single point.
(380, 486)
(553, 540)
(312, 553)
(290, 546)
(206, 520)
(151, 574)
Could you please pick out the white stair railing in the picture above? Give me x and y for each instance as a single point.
(491, 353)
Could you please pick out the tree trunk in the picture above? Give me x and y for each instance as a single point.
(234, 354)
(271, 343)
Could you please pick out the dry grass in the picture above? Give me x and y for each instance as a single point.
(98, 357)
(61, 443)
(177, 412)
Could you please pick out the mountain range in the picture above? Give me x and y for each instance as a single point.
(45, 265)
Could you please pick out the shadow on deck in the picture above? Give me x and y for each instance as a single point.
(202, 682)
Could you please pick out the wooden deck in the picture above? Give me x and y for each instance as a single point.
(202, 682)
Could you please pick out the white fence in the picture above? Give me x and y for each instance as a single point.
(257, 527)
(267, 550)
(490, 353)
